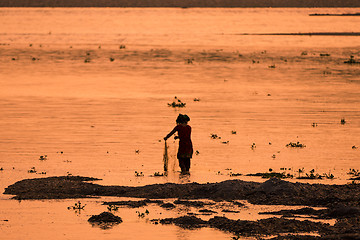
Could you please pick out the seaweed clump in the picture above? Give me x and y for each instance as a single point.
(297, 145)
(352, 61)
(177, 103)
(281, 175)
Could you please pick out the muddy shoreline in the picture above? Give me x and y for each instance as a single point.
(341, 202)
(272, 192)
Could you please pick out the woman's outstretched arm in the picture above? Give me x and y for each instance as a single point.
(170, 134)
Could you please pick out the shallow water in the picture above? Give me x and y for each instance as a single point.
(99, 113)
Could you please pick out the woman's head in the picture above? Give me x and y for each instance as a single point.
(182, 119)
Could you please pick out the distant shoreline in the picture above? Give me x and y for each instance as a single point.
(185, 3)
(334, 15)
(306, 34)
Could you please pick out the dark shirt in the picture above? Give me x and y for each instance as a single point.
(185, 144)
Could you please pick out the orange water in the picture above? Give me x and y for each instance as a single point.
(99, 113)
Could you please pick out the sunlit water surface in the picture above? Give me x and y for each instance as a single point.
(90, 89)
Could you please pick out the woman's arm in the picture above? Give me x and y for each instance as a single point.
(170, 134)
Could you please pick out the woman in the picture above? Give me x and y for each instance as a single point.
(185, 145)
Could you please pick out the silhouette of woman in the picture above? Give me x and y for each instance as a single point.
(185, 151)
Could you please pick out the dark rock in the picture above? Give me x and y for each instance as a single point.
(190, 203)
(344, 211)
(206, 211)
(188, 222)
(168, 205)
(133, 204)
(105, 217)
(301, 211)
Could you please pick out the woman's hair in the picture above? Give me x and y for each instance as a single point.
(182, 118)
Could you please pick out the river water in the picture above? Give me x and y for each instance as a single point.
(89, 88)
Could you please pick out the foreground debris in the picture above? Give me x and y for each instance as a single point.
(246, 228)
(342, 202)
(345, 228)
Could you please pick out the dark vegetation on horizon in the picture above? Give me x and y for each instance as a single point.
(178, 3)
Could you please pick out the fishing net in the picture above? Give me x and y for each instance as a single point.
(166, 158)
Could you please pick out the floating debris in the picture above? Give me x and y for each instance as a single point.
(177, 103)
(297, 144)
(284, 169)
(189, 61)
(214, 136)
(113, 208)
(77, 206)
(354, 172)
(352, 61)
(142, 215)
(271, 175)
(158, 174)
(32, 170)
(272, 66)
(313, 175)
(324, 55)
(234, 174)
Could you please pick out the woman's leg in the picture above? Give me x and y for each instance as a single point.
(187, 164)
(182, 164)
